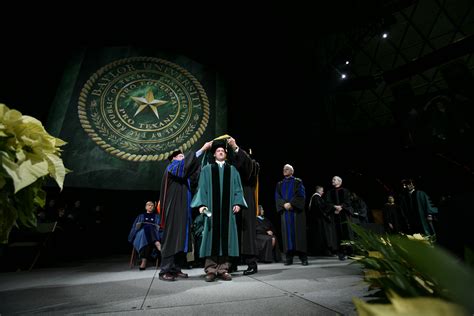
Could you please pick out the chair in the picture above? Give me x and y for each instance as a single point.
(38, 239)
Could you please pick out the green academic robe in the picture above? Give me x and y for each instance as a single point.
(219, 189)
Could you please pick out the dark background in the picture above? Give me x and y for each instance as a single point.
(279, 77)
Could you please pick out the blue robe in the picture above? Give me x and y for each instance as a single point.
(293, 222)
(147, 233)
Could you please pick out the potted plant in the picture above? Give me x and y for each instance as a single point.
(28, 154)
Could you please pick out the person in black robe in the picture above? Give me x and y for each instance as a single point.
(393, 217)
(360, 210)
(324, 235)
(267, 243)
(176, 212)
(248, 169)
(339, 201)
(290, 204)
(145, 234)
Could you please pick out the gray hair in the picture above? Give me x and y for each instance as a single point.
(288, 166)
(337, 178)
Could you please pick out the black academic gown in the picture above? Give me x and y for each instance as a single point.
(323, 232)
(360, 215)
(293, 222)
(175, 199)
(248, 169)
(266, 252)
(341, 196)
(392, 214)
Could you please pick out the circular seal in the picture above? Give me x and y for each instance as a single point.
(143, 108)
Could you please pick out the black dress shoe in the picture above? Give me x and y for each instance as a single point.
(250, 271)
(181, 274)
(167, 277)
(141, 269)
(341, 257)
(304, 262)
(288, 262)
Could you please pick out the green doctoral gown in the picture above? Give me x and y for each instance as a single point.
(219, 189)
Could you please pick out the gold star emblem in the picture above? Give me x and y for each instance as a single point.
(148, 100)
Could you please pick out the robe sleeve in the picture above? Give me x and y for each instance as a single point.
(427, 203)
(279, 200)
(238, 194)
(346, 203)
(325, 210)
(312, 203)
(184, 168)
(299, 197)
(134, 230)
(203, 196)
(329, 201)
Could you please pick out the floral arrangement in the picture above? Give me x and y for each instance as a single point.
(413, 276)
(28, 154)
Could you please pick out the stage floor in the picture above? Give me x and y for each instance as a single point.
(108, 286)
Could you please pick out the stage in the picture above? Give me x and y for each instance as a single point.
(108, 286)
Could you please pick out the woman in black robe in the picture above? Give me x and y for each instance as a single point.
(267, 243)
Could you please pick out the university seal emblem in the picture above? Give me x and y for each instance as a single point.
(143, 108)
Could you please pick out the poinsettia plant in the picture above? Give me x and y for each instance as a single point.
(416, 276)
(28, 154)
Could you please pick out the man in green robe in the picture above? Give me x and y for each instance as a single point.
(219, 197)
(418, 209)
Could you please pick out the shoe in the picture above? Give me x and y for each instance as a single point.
(180, 274)
(250, 270)
(304, 262)
(341, 257)
(210, 277)
(143, 262)
(167, 277)
(288, 262)
(225, 276)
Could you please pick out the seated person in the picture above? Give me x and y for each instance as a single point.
(145, 234)
(360, 214)
(267, 245)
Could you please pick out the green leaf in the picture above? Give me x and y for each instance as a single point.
(56, 169)
(24, 174)
(443, 268)
(27, 154)
(25, 205)
(409, 306)
(469, 257)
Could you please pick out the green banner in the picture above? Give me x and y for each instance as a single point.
(124, 110)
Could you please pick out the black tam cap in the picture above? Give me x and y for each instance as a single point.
(174, 154)
(220, 143)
